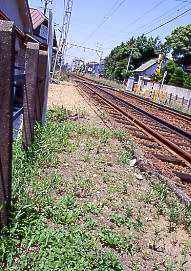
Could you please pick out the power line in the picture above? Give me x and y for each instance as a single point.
(145, 13)
(98, 52)
(163, 17)
(178, 16)
(115, 7)
(184, 1)
(83, 47)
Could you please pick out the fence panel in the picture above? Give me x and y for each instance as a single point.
(41, 84)
(30, 92)
(7, 47)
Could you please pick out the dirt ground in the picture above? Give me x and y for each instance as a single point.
(67, 95)
(159, 240)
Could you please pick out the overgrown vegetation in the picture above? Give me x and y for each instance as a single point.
(144, 49)
(77, 206)
(179, 42)
(175, 75)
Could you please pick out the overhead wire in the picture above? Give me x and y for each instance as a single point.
(162, 18)
(143, 15)
(114, 8)
(173, 19)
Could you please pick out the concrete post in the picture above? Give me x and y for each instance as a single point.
(170, 98)
(41, 84)
(189, 104)
(29, 103)
(7, 47)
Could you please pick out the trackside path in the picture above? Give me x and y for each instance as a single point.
(78, 205)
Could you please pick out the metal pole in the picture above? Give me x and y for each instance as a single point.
(66, 24)
(45, 7)
(164, 76)
(129, 60)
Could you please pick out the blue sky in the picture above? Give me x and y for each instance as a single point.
(106, 23)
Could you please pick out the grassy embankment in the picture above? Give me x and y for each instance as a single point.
(77, 205)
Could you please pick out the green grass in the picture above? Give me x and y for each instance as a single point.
(45, 232)
(108, 82)
(76, 205)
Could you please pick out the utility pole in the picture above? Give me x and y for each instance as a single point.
(46, 2)
(68, 4)
(131, 53)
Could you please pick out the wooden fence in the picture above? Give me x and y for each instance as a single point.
(21, 94)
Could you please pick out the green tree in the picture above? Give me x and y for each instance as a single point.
(180, 43)
(170, 67)
(144, 49)
(187, 82)
(178, 77)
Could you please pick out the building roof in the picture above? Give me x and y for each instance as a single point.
(13, 11)
(37, 17)
(92, 63)
(147, 65)
(188, 68)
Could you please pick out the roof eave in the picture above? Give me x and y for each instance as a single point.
(25, 14)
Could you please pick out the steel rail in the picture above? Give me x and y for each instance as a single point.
(145, 100)
(171, 147)
(178, 130)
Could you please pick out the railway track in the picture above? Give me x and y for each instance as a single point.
(184, 120)
(166, 144)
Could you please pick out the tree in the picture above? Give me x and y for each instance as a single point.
(187, 82)
(178, 77)
(170, 67)
(180, 43)
(144, 49)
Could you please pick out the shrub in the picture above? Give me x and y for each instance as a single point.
(187, 82)
(178, 77)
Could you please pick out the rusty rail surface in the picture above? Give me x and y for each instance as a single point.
(171, 147)
(141, 99)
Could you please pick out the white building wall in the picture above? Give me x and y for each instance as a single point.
(11, 10)
(181, 92)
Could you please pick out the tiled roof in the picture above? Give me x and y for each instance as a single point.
(37, 17)
(147, 65)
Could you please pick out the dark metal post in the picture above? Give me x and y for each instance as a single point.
(41, 84)
(30, 92)
(183, 101)
(7, 47)
(170, 98)
(189, 104)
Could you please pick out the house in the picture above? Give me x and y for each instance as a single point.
(40, 25)
(101, 67)
(18, 12)
(95, 68)
(146, 69)
(92, 67)
(76, 64)
(187, 69)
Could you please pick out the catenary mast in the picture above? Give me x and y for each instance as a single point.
(60, 55)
